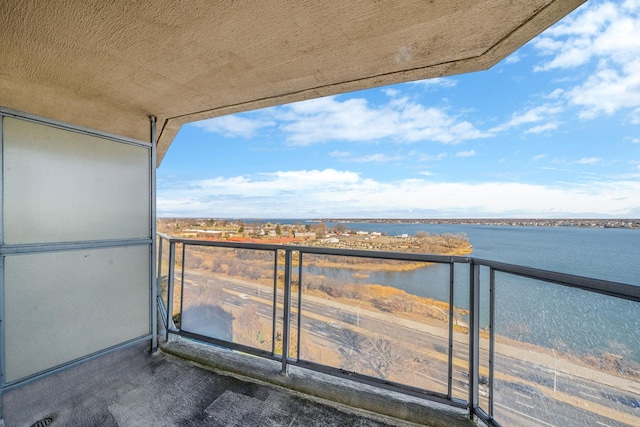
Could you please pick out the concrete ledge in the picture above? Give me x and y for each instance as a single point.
(316, 384)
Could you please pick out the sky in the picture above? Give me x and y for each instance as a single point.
(552, 131)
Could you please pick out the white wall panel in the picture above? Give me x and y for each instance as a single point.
(63, 186)
(61, 306)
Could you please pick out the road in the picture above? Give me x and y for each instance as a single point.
(524, 391)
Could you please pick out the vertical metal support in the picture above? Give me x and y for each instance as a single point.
(182, 283)
(2, 322)
(492, 308)
(474, 336)
(171, 273)
(274, 303)
(287, 310)
(299, 323)
(3, 375)
(153, 280)
(451, 314)
(1, 184)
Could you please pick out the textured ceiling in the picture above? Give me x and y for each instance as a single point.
(108, 65)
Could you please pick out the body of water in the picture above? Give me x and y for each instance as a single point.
(602, 253)
(546, 314)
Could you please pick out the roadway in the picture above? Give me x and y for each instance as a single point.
(524, 391)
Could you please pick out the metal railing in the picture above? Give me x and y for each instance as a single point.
(464, 331)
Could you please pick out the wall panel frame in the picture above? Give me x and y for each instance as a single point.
(77, 252)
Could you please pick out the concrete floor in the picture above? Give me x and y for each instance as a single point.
(131, 387)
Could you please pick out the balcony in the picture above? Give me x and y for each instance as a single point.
(498, 352)
(82, 90)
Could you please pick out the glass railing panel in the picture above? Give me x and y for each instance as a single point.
(484, 343)
(294, 306)
(277, 322)
(387, 319)
(228, 294)
(460, 372)
(176, 297)
(564, 356)
(163, 280)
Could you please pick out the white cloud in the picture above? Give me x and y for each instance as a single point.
(539, 157)
(339, 154)
(609, 33)
(469, 153)
(532, 115)
(629, 175)
(554, 169)
(556, 93)
(376, 158)
(426, 173)
(608, 90)
(233, 126)
(636, 140)
(354, 120)
(342, 193)
(572, 42)
(513, 58)
(543, 128)
(588, 161)
(437, 82)
(432, 157)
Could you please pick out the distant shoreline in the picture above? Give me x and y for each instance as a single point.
(518, 222)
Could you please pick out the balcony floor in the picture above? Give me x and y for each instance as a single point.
(131, 387)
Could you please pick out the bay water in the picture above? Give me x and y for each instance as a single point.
(541, 313)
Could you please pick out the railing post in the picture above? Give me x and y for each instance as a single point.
(492, 307)
(287, 310)
(2, 331)
(171, 273)
(451, 321)
(274, 305)
(299, 318)
(474, 336)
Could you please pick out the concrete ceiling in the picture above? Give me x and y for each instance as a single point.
(108, 65)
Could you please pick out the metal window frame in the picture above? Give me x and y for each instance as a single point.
(2, 329)
(153, 141)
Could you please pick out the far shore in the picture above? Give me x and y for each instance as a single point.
(633, 223)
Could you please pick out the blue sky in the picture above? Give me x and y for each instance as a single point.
(551, 131)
